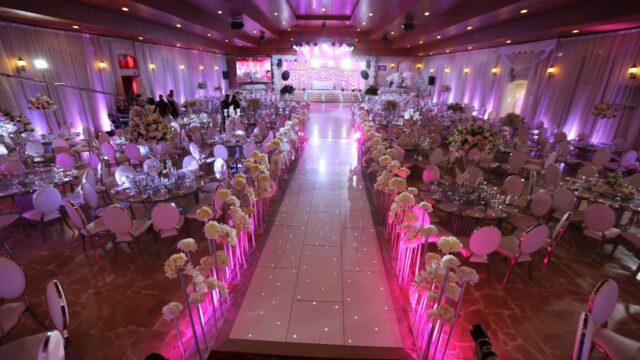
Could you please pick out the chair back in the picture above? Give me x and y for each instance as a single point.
(517, 160)
(550, 159)
(513, 185)
(152, 165)
(103, 138)
(485, 240)
(12, 279)
(553, 175)
(34, 148)
(533, 239)
(561, 226)
(175, 126)
(584, 335)
(190, 163)
(75, 215)
(165, 216)
(65, 160)
(47, 200)
(123, 172)
(599, 217)
(436, 156)
(248, 149)
(628, 158)
(60, 145)
(89, 195)
(563, 200)
(109, 151)
(603, 301)
(588, 171)
(194, 150)
(132, 152)
(220, 168)
(118, 221)
(12, 167)
(474, 173)
(399, 153)
(89, 176)
(57, 304)
(541, 203)
(220, 151)
(563, 150)
(601, 157)
(196, 137)
(634, 180)
(3, 150)
(430, 174)
(94, 161)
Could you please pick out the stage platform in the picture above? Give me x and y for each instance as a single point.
(327, 96)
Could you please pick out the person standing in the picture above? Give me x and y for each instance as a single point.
(162, 107)
(173, 106)
(224, 105)
(235, 104)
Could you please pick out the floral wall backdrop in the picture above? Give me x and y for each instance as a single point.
(85, 92)
(588, 70)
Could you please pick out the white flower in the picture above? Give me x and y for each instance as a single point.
(445, 312)
(187, 245)
(211, 230)
(426, 206)
(432, 259)
(204, 213)
(404, 172)
(173, 264)
(467, 274)
(398, 184)
(196, 298)
(432, 296)
(413, 191)
(222, 260)
(429, 230)
(449, 244)
(172, 310)
(223, 194)
(452, 291)
(450, 262)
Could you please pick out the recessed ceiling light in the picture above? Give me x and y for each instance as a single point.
(393, 33)
(219, 12)
(275, 14)
(426, 13)
(431, 53)
(524, 11)
(448, 50)
(364, 23)
(289, 29)
(323, 9)
(40, 64)
(358, 29)
(421, 42)
(140, 38)
(76, 27)
(209, 35)
(470, 47)
(125, 9)
(469, 27)
(179, 45)
(438, 37)
(508, 42)
(356, 40)
(408, 45)
(255, 32)
(178, 25)
(370, 14)
(575, 31)
(226, 40)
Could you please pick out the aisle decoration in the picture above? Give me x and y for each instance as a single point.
(171, 312)
(41, 102)
(202, 85)
(606, 110)
(11, 123)
(148, 127)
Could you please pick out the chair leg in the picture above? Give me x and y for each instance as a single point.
(488, 272)
(613, 249)
(547, 259)
(514, 261)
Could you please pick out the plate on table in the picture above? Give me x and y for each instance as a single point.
(495, 213)
(509, 209)
(137, 197)
(448, 207)
(476, 213)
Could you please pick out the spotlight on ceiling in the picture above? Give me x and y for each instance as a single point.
(236, 22)
(262, 38)
(408, 26)
(385, 37)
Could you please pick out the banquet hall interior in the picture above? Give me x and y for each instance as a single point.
(333, 179)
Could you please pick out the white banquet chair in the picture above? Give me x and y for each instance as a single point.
(599, 224)
(124, 172)
(430, 174)
(46, 202)
(3, 150)
(588, 171)
(552, 176)
(602, 303)
(110, 153)
(166, 220)
(627, 160)
(564, 201)
(65, 160)
(152, 166)
(36, 151)
(86, 230)
(600, 158)
(539, 207)
(248, 149)
(132, 152)
(119, 222)
(556, 235)
(483, 242)
(515, 162)
(58, 308)
(190, 163)
(220, 151)
(513, 185)
(522, 249)
(44, 346)
(584, 336)
(13, 282)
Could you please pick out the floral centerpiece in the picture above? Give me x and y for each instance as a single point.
(456, 108)
(202, 85)
(11, 123)
(41, 102)
(371, 90)
(606, 111)
(614, 186)
(473, 138)
(445, 89)
(188, 104)
(254, 104)
(287, 90)
(411, 114)
(390, 105)
(512, 120)
(148, 127)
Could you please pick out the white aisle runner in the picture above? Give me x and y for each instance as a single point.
(320, 278)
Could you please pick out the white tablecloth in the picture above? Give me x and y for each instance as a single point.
(322, 85)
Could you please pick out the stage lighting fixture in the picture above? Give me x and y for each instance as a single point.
(237, 23)
(408, 26)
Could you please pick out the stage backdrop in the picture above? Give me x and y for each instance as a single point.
(588, 70)
(88, 92)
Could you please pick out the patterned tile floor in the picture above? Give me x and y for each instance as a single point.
(115, 303)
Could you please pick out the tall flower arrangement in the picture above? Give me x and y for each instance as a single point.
(11, 123)
(41, 102)
(511, 120)
(474, 138)
(606, 110)
(147, 127)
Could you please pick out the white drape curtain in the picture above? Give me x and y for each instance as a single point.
(590, 70)
(88, 94)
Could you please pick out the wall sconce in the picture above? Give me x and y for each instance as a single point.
(216, 68)
(22, 64)
(432, 70)
(392, 66)
(102, 65)
(201, 67)
(633, 71)
(446, 70)
(466, 70)
(551, 71)
(419, 66)
(181, 66)
(152, 66)
(495, 70)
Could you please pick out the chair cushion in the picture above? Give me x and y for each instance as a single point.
(36, 215)
(510, 247)
(616, 346)
(140, 226)
(95, 227)
(9, 315)
(523, 221)
(75, 197)
(609, 234)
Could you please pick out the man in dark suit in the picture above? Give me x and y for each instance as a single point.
(173, 106)
(224, 105)
(162, 107)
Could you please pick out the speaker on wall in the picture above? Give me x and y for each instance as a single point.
(432, 81)
(225, 75)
